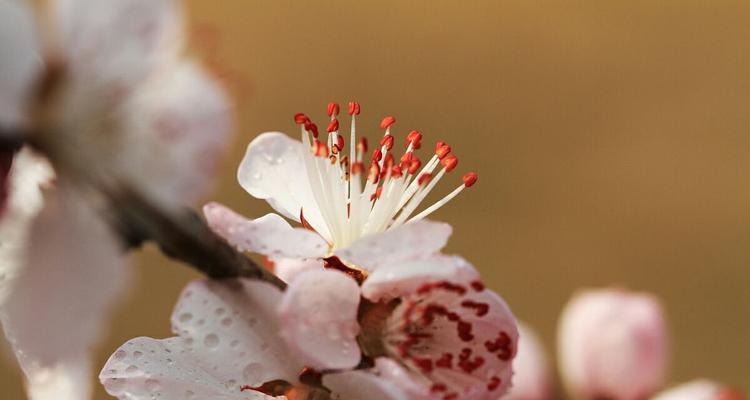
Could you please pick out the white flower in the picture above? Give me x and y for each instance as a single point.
(357, 210)
(699, 389)
(123, 111)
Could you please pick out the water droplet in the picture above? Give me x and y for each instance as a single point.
(257, 175)
(120, 354)
(131, 369)
(114, 386)
(252, 373)
(220, 311)
(137, 354)
(211, 340)
(227, 322)
(185, 317)
(152, 385)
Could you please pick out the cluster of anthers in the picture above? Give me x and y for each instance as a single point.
(392, 190)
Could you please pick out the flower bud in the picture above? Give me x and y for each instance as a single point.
(700, 389)
(532, 379)
(613, 345)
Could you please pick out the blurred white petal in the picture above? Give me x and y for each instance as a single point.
(53, 315)
(19, 59)
(532, 376)
(177, 126)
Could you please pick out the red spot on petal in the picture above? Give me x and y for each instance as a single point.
(477, 286)
(494, 383)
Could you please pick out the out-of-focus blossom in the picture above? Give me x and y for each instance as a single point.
(613, 344)
(701, 389)
(115, 106)
(532, 376)
(446, 338)
(356, 209)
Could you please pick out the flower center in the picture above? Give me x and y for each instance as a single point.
(358, 196)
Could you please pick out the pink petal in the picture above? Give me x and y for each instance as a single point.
(532, 379)
(269, 235)
(287, 269)
(111, 46)
(361, 385)
(232, 328)
(613, 343)
(176, 128)
(170, 369)
(404, 278)
(62, 294)
(457, 338)
(319, 314)
(273, 170)
(407, 242)
(700, 389)
(19, 60)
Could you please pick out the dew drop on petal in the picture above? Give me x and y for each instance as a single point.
(252, 373)
(114, 386)
(137, 354)
(185, 317)
(120, 354)
(152, 385)
(211, 340)
(131, 369)
(226, 322)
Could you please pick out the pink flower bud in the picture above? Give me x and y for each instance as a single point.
(532, 379)
(700, 389)
(612, 344)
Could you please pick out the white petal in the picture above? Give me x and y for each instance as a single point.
(19, 59)
(168, 369)
(270, 234)
(232, 328)
(407, 242)
(361, 385)
(28, 174)
(287, 269)
(319, 319)
(273, 170)
(404, 278)
(113, 45)
(63, 292)
(177, 126)
(532, 378)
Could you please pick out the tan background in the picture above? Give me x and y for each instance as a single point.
(612, 141)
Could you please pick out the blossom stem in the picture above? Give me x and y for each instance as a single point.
(183, 236)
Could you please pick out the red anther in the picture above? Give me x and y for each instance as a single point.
(300, 118)
(396, 171)
(415, 165)
(387, 141)
(470, 179)
(333, 126)
(388, 161)
(406, 158)
(340, 142)
(321, 150)
(443, 151)
(353, 108)
(358, 168)
(449, 162)
(377, 155)
(374, 172)
(377, 193)
(439, 144)
(312, 128)
(387, 122)
(424, 178)
(333, 109)
(414, 138)
(362, 145)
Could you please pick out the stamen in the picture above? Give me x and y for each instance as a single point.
(353, 205)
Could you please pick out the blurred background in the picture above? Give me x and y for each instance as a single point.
(612, 142)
